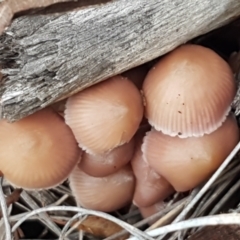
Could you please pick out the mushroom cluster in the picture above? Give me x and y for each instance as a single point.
(104, 119)
(188, 96)
(136, 137)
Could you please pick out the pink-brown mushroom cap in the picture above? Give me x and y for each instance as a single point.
(105, 164)
(106, 115)
(189, 92)
(150, 186)
(38, 151)
(187, 162)
(105, 194)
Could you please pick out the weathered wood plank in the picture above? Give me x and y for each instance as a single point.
(10, 7)
(46, 57)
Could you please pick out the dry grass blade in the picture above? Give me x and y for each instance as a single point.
(60, 200)
(223, 219)
(213, 196)
(134, 231)
(8, 235)
(217, 208)
(231, 170)
(13, 197)
(43, 217)
(225, 198)
(191, 196)
(154, 217)
(208, 184)
(167, 218)
(70, 223)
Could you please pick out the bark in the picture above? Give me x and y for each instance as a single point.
(46, 57)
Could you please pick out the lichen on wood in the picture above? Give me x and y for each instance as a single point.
(45, 57)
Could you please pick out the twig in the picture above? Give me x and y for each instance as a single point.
(63, 190)
(206, 187)
(128, 227)
(198, 210)
(213, 197)
(60, 200)
(131, 214)
(154, 217)
(223, 219)
(227, 176)
(69, 223)
(224, 199)
(169, 216)
(5, 213)
(208, 184)
(44, 218)
(191, 196)
(173, 200)
(220, 204)
(13, 197)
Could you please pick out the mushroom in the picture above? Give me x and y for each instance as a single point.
(105, 194)
(38, 151)
(187, 162)
(150, 186)
(106, 115)
(107, 163)
(189, 92)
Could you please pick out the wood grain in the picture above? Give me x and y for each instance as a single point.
(10, 7)
(45, 57)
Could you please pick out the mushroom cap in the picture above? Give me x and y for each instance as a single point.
(38, 151)
(107, 163)
(106, 115)
(150, 186)
(189, 92)
(187, 162)
(105, 194)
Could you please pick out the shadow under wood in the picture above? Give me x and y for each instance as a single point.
(63, 7)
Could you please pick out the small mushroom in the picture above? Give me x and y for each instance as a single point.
(150, 186)
(38, 151)
(106, 115)
(189, 92)
(105, 194)
(105, 164)
(187, 162)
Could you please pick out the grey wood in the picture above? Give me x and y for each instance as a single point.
(51, 56)
(10, 7)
